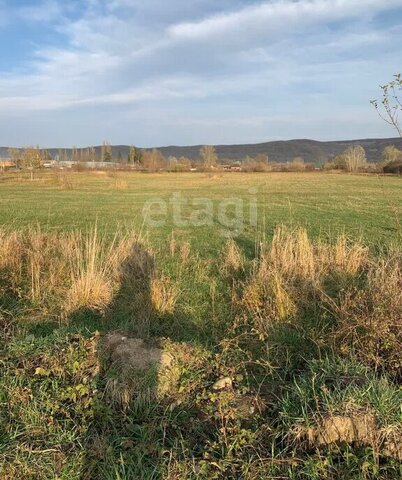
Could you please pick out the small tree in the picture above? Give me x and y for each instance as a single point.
(392, 160)
(208, 156)
(390, 106)
(184, 164)
(134, 156)
(340, 162)
(106, 152)
(92, 154)
(31, 159)
(355, 158)
(107, 156)
(262, 158)
(172, 163)
(297, 165)
(153, 160)
(391, 154)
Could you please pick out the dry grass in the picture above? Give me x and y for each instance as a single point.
(58, 274)
(120, 184)
(164, 294)
(292, 272)
(62, 272)
(11, 248)
(308, 357)
(233, 259)
(349, 257)
(268, 300)
(63, 179)
(33, 264)
(185, 250)
(370, 320)
(295, 278)
(172, 244)
(95, 270)
(294, 255)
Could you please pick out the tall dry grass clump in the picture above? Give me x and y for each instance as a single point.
(291, 272)
(337, 295)
(59, 273)
(32, 264)
(294, 254)
(370, 319)
(267, 298)
(349, 257)
(291, 253)
(95, 269)
(62, 179)
(185, 250)
(164, 294)
(38, 251)
(11, 250)
(232, 258)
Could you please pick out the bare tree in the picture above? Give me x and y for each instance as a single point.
(297, 165)
(208, 156)
(153, 160)
(74, 154)
(31, 158)
(355, 158)
(390, 106)
(262, 158)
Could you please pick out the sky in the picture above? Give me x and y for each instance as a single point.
(184, 72)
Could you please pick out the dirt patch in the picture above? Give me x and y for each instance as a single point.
(359, 429)
(134, 353)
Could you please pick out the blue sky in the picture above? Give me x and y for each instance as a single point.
(161, 72)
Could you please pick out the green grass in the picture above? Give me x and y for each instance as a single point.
(289, 336)
(362, 205)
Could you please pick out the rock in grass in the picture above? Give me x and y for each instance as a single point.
(222, 384)
(134, 353)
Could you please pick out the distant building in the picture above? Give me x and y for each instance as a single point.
(6, 164)
(232, 168)
(92, 165)
(49, 164)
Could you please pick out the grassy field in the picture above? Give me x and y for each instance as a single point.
(213, 352)
(367, 206)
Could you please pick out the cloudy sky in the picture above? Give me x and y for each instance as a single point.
(161, 72)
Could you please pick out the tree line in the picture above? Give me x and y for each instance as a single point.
(352, 160)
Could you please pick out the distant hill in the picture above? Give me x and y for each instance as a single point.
(277, 151)
(284, 151)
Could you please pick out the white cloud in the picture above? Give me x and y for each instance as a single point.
(249, 57)
(279, 15)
